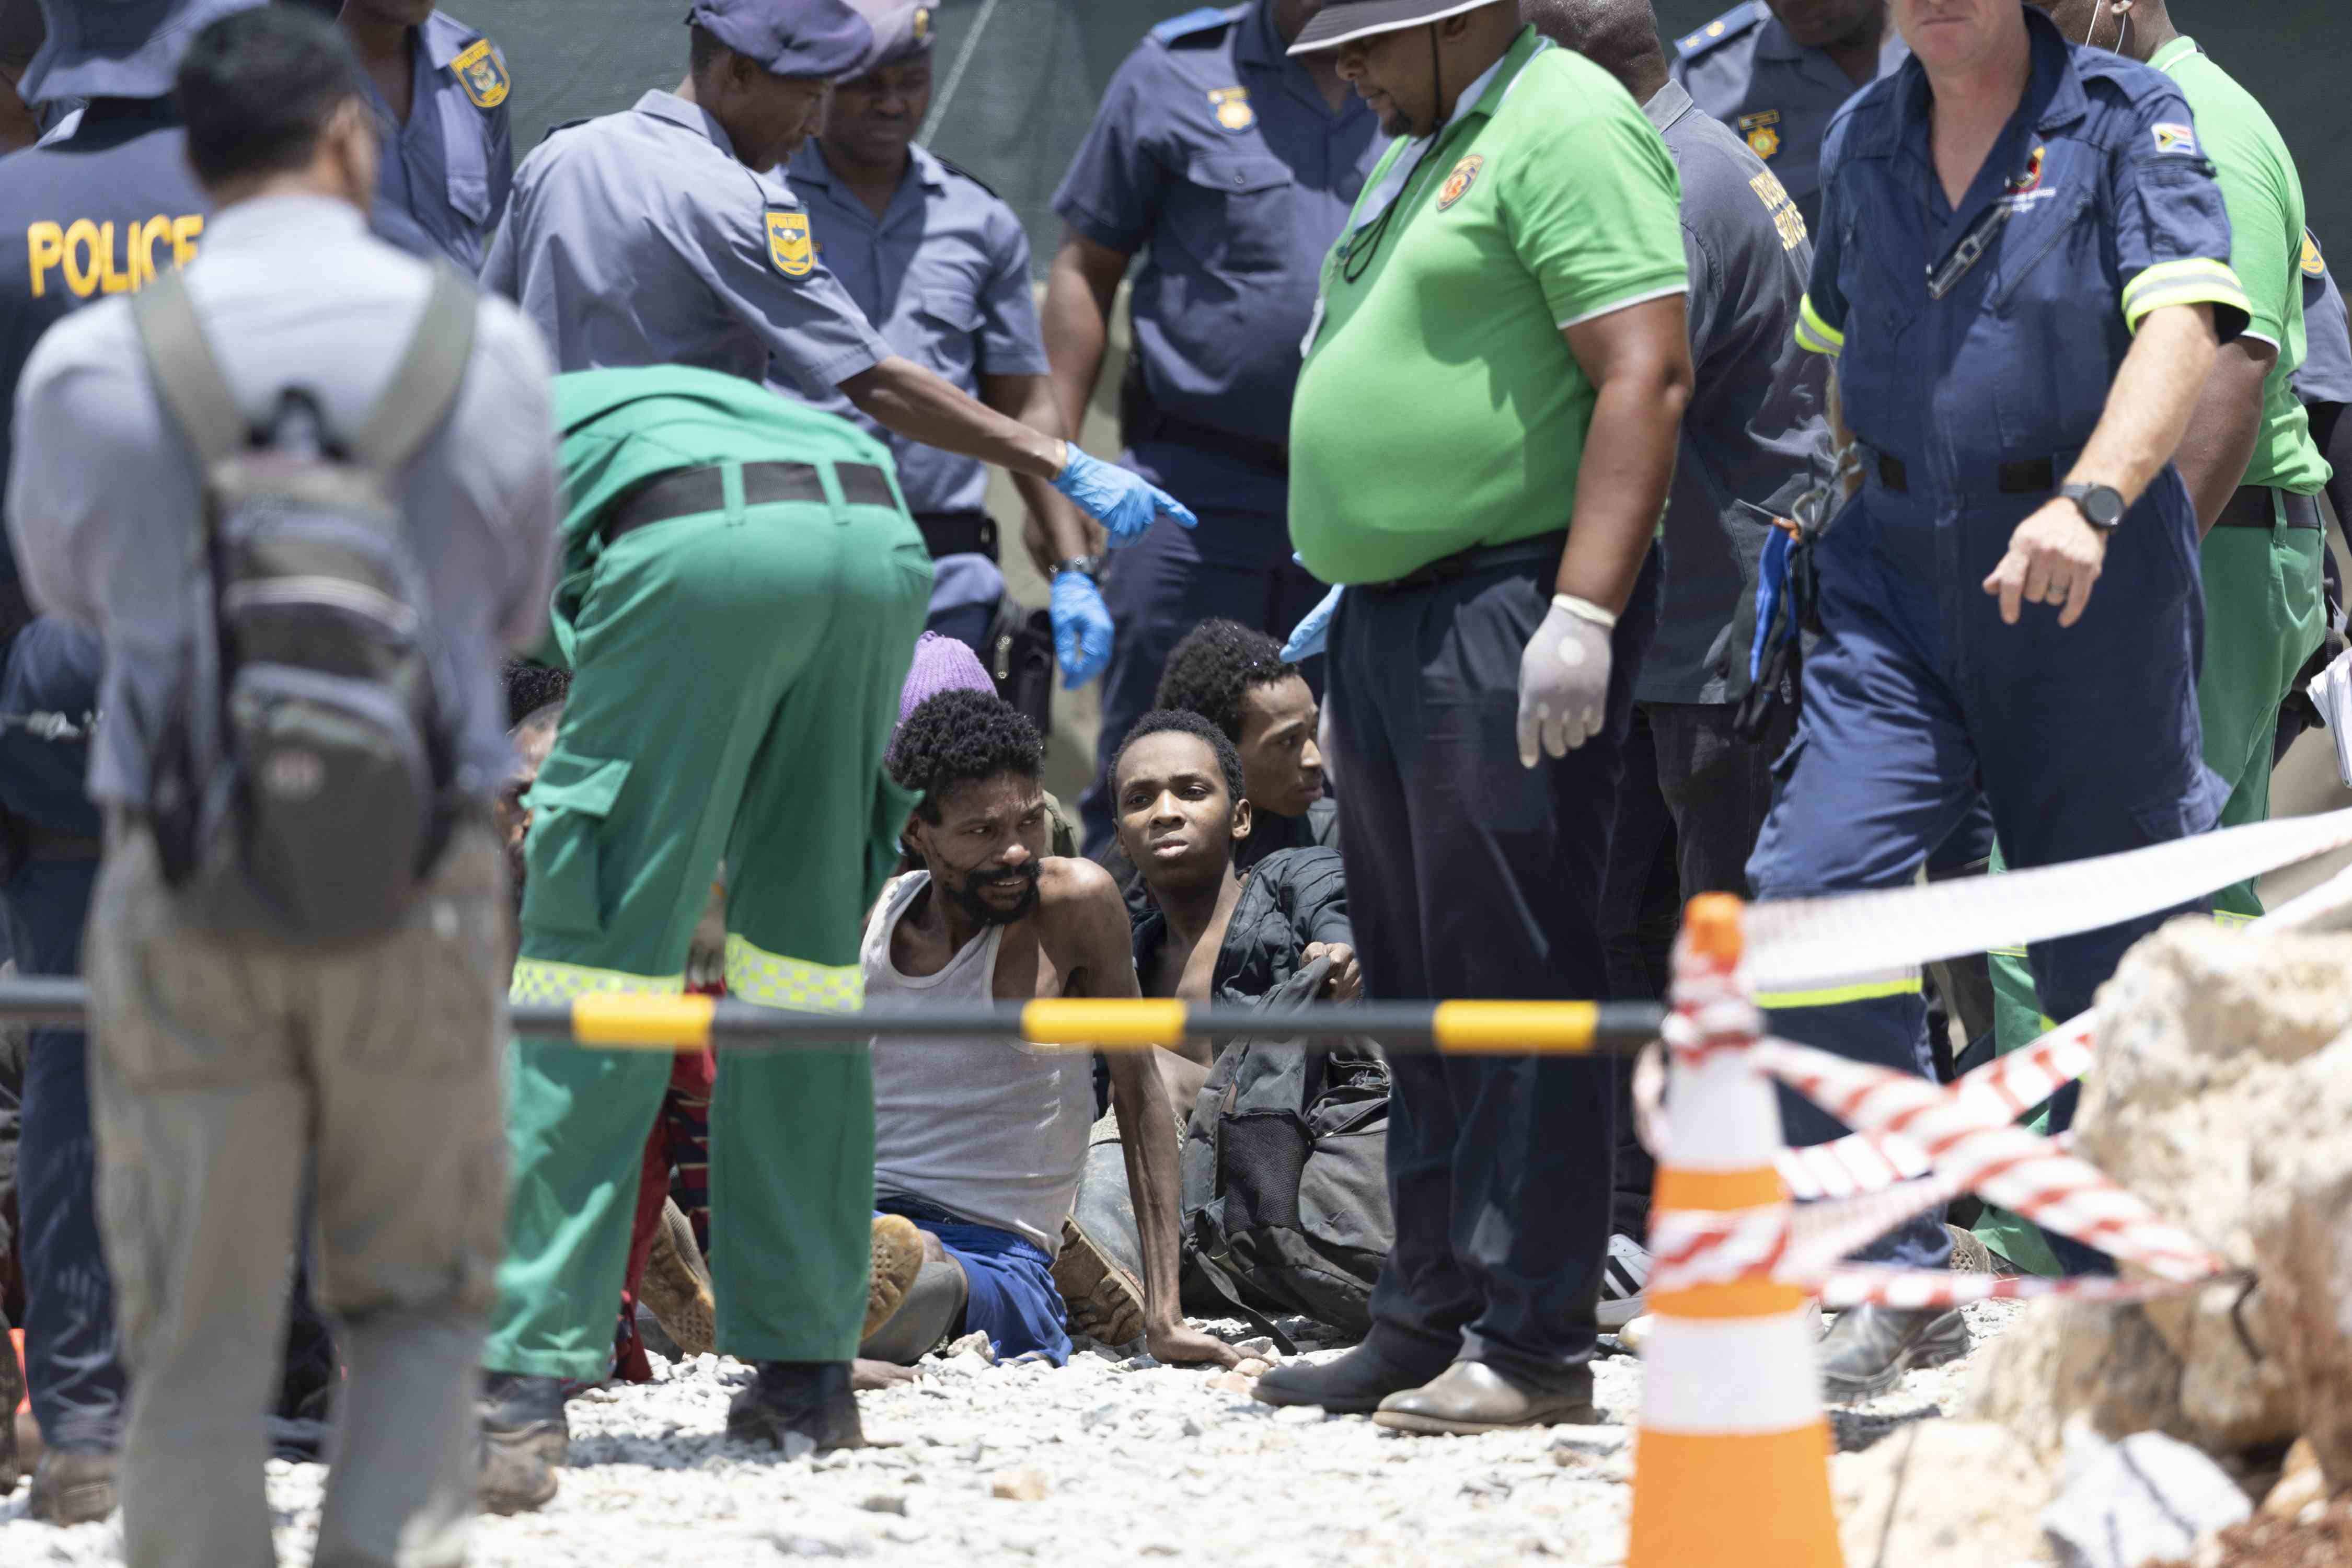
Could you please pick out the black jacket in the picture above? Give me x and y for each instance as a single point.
(1293, 896)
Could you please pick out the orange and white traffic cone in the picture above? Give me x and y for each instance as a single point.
(1731, 1459)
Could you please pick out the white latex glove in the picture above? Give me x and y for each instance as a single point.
(2331, 693)
(1564, 679)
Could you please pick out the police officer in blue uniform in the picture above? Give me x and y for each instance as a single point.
(1232, 165)
(100, 211)
(647, 238)
(2323, 382)
(939, 266)
(1776, 70)
(2022, 271)
(439, 91)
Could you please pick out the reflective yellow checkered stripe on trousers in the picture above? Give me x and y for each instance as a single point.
(773, 980)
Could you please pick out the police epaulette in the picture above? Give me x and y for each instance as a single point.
(959, 169)
(1203, 20)
(1724, 28)
(568, 125)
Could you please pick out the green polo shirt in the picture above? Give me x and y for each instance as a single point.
(1440, 408)
(2264, 196)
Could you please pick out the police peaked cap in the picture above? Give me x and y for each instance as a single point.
(902, 30)
(117, 48)
(822, 39)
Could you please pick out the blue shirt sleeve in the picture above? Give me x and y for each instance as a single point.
(1011, 343)
(1115, 186)
(1821, 319)
(2171, 226)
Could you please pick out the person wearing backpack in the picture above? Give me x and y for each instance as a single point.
(304, 496)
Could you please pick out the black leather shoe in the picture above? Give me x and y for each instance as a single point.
(1351, 1384)
(801, 1406)
(71, 1487)
(1869, 1349)
(1471, 1396)
(525, 1438)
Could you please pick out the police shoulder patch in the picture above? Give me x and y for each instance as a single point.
(2314, 265)
(790, 248)
(2172, 137)
(1761, 130)
(1740, 19)
(482, 72)
(1232, 108)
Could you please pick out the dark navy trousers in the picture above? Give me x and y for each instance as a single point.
(1919, 704)
(1469, 876)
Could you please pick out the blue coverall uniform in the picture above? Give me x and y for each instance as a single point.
(1973, 389)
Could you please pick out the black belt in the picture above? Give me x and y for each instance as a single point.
(1543, 547)
(2033, 476)
(958, 533)
(2250, 506)
(1272, 456)
(688, 492)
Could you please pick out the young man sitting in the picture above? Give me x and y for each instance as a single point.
(1237, 679)
(978, 1141)
(1205, 933)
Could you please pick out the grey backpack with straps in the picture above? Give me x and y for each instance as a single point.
(301, 789)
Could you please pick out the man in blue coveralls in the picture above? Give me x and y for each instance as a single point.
(1231, 165)
(2021, 269)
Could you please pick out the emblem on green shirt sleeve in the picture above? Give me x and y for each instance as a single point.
(788, 243)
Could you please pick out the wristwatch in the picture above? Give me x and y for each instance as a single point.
(2102, 506)
(1090, 566)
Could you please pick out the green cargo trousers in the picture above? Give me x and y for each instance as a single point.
(2264, 612)
(736, 676)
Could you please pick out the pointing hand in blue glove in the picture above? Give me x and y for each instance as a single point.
(1123, 502)
(1306, 639)
(1081, 627)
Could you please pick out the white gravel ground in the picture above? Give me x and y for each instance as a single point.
(1104, 1462)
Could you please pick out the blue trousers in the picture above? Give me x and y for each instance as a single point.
(1918, 701)
(1009, 1281)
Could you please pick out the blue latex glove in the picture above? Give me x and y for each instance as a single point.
(1123, 502)
(1307, 638)
(1081, 628)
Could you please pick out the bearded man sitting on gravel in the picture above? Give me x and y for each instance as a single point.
(978, 1141)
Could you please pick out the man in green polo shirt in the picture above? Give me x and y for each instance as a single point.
(2250, 465)
(1480, 448)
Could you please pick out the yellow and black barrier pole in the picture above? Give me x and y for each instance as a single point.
(646, 1021)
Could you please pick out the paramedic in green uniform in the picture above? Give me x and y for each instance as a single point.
(740, 591)
(2252, 470)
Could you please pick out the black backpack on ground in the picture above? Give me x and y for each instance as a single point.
(1284, 1175)
(301, 788)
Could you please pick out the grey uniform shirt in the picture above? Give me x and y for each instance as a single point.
(1754, 427)
(1778, 95)
(105, 499)
(2325, 373)
(638, 239)
(446, 170)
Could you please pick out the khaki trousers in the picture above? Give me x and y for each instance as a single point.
(224, 1076)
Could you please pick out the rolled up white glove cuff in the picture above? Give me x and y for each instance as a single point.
(1584, 609)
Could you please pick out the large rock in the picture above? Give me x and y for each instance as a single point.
(1942, 1494)
(2221, 1094)
(2147, 1499)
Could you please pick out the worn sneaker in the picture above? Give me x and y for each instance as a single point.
(525, 1439)
(1624, 1276)
(897, 1259)
(1868, 1349)
(676, 1285)
(1105, 1302)
(71, 1487)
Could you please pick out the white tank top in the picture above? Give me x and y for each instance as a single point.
(987, 1128)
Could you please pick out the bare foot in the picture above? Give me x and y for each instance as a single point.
(873, 1376)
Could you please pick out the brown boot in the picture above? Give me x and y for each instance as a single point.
(897, 1259)
(73, 1488)
(676, 1285)
(1106, 1302)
